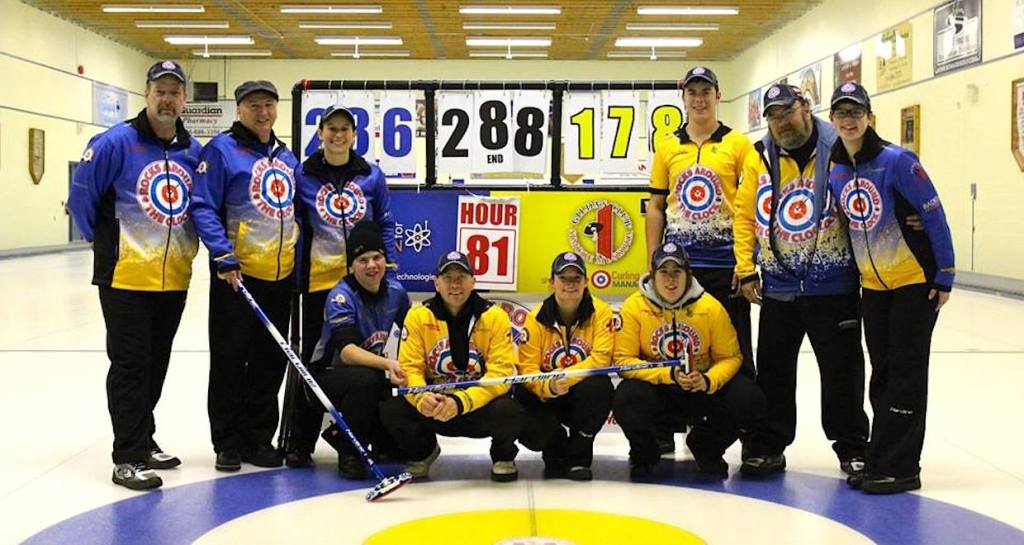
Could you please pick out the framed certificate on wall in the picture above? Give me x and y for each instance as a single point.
(1017, 121)
(910, 128)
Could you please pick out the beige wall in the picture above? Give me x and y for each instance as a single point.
(965, 115)
(39, 56)
(965, 134)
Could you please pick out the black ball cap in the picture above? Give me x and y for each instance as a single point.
(257, 86)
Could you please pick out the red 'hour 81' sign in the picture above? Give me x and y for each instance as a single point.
(488, 233)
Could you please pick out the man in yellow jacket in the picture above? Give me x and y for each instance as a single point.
(671, 317)
(456, 336)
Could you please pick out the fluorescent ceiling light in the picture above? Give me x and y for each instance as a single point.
(658, 42)
(358, 54)
(208, 40)
(509, 54)
(482, 41)
(510, 10)
(682, 27)
(153, 8)
(508, 26)
(181, 24)
(383, 25)
(360, 40)
(231, 52)
(687, 10)
(654, 55)
(328, 8)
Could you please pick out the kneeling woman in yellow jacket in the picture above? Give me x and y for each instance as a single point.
(455, 336)
(570, 330)
(671, 317)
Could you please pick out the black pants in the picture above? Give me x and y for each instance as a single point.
(246, 364)
(305, 414)
(357, 393)
(898, 328)
(833, 326)
(639, 404)
(140, 329)
(501, 420)
(718, 283)
(584, 410)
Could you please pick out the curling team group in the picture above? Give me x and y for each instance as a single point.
(829, 228)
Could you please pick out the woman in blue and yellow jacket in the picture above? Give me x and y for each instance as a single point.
(672, 317)
(570, 330)
(906, 275)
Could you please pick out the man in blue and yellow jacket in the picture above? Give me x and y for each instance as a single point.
(455, 336)
(786, 220)
(245, 214)
(672, 317)
(129, 198)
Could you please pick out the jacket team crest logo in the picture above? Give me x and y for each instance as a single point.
(666, 343)
(442, 366)
(517, 314)
(558, 357)
(348, 206)
(272, 190)
(607, 232)
(699, 192)
(163, 191)
(862, 203)
(375, 342)
(763, 204)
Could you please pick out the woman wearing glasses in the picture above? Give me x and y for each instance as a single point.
(906, 275)
(569, 330)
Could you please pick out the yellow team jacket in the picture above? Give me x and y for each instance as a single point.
(425, 353)
(700, 323)
(544, 349)
(699, 184)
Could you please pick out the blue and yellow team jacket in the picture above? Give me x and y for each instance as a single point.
(353, 315)
(799, 239)
(878, 190)
(550, 345)
(655, 330)
(243, 204)
(329, 214)
(426, 357)
(129, 197)
(699, 184)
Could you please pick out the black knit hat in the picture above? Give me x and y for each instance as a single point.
(364, 237)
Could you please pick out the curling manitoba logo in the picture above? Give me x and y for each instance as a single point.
(162, 192)
(862, 203)
(601, 232)
(271, 190)
(348, 206)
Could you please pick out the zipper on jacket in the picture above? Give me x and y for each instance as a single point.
(170, 222)
(280, 238)
(864, 229)
(675, 334)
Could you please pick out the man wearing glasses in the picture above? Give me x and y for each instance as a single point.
(808, 284)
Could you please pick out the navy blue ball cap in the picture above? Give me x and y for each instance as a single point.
(165, 68)
(853, 92)
(669, 252)
(566, 260)
(256, 86)
(700, 73)
(453, 259)
(334, 110)
(780, 94)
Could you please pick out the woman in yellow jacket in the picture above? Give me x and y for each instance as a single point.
(456, 336)
(570, 330)
(671, 317)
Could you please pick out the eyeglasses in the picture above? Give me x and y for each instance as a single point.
(779, 116)
(856, 113)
